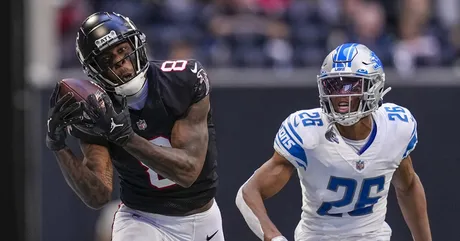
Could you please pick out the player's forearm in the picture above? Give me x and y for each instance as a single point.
(84, 182)
(253, 199)
(413, 206)
(172, 163)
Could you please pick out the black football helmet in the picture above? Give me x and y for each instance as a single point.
(102, 31)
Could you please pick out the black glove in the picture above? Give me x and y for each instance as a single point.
(60, 116)
(116, 127)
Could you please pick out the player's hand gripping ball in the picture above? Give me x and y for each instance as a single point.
(116, 125)
(81, 91)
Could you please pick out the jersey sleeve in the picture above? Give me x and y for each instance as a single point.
(86, 137)
(289, 143)
(201, 86)
(413, 136)
(403, 128)
(185, 83)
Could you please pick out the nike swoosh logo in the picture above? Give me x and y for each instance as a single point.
(210, 237)
(195, 69)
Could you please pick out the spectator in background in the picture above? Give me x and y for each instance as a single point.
(181, 49)
(416, 46)
(448, 12)
(244, 28)
(366, 25)
(70, 14)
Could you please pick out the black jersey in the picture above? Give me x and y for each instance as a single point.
(173, 87)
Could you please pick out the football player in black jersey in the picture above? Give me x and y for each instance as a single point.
(154, 126)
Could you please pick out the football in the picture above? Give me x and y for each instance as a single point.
(81, 89)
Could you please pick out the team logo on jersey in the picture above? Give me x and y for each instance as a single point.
(359, 165)
(142, 125)
(203, 76)
(332, 137)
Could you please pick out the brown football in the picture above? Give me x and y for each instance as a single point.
(81, 89)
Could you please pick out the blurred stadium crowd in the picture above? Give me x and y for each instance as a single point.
(281, 33)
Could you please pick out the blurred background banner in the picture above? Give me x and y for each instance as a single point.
(262, 58)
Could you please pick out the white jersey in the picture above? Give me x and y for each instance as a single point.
(343, 191)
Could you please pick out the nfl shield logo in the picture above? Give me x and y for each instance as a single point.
(141, 124)
(359, 165)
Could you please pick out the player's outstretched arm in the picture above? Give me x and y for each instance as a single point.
(268, 180)
(189, 140)
(91, 176)
(412, 200)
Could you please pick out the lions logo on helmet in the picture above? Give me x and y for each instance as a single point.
(353, 74)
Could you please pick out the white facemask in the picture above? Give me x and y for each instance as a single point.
(133, 86)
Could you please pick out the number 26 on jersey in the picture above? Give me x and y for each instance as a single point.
(365, 200)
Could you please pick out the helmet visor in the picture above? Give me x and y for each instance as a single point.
(342, 86)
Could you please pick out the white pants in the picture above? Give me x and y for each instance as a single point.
(383, 234)
(134, 225)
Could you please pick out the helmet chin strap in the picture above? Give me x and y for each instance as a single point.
(133, 86)
(329, 130)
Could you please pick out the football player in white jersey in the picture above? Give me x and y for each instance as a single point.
(346, 153)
